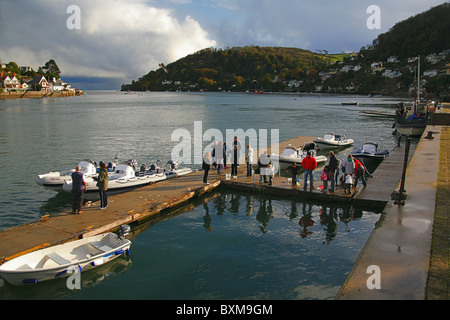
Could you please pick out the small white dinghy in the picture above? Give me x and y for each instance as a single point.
(331, 140)
(57, 178)
(58, 261)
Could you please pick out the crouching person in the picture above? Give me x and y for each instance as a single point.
(348, 183)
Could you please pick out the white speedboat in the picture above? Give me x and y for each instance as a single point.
(369, 154)
(57, 178)
(331, 140)
(59, 261)
(171, 170)
(292, 154)
(127, 176)
(123, 177)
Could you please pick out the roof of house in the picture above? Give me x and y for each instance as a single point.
(36, 80)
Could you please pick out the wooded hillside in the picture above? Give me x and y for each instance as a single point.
(241, 68)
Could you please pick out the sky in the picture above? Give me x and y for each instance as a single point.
(102, 44)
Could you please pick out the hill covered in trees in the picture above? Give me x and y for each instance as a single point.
(239, 68)
(423, 34)
(387, 66)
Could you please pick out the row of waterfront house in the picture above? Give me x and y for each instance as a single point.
(37, 83)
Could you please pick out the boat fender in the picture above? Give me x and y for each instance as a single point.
(29, 281)
(119, 252)
(127, 252)
(97, 262)
(61, 273)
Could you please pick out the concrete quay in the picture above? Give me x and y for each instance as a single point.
(406, 256)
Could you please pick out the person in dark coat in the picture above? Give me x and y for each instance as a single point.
(78, 188)
(359, 173)
(206, 166)
(102, 184)
(234, 161)
(333, 165)
(294, 171)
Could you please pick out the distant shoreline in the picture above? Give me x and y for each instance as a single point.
(39, 94)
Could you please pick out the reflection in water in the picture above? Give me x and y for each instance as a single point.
(264, 214)
(308, 215)
(229, 245)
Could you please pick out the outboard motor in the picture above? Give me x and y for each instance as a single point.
(124, 230)
(110, 167)
(172, 165)
(133, 164)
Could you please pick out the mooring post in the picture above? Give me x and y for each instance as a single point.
(399, 200)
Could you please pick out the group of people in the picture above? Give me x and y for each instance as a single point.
(352, 169)
(219, 156)
(79, 187)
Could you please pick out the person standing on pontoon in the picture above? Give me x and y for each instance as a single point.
(333, 165)
(309, 164)
(249, 159)
(206, 166)
(78, 188)
(102, 185)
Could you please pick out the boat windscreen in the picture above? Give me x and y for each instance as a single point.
(369, 148)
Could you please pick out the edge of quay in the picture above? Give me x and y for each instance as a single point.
(400, 245)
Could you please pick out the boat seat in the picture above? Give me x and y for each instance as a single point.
(25, 267)
(57, 258)
(100, 246)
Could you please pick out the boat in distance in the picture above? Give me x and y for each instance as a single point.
(331, 140)
(61, 260)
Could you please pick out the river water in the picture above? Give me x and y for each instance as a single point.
(229, 245)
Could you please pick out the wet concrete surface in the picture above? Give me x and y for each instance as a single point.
(400, 245)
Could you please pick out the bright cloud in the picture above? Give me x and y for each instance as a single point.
(120, 39)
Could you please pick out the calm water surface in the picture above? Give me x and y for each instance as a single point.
(229, 246)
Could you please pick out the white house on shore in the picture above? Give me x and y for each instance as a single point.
(39, 80)
(10, 83)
